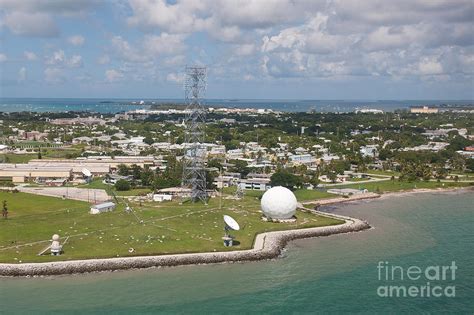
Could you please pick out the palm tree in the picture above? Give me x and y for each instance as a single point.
(5, 210)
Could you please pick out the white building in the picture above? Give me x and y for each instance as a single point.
(306, 159)
(162, 197)
(102, 207)
(369, 151)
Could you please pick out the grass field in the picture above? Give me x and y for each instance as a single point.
(98, 184)
(386, 173)
(17, 158)
(166, 228)
(47, 153)
(391, 186)
(301, 194)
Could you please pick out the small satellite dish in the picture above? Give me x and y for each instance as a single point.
(86, 172)
(231, 223)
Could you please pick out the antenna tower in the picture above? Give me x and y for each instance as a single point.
(194, 160)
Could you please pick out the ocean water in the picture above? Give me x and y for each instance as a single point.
(121, 105)
(336, 274)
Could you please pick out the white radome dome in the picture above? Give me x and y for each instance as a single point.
(279, 203)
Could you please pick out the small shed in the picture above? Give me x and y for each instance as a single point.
(162, 197)
(102, 207)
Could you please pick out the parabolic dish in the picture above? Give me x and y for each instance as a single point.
(231, 223)
(86, 172)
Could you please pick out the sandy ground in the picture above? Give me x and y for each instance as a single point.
(82, 194)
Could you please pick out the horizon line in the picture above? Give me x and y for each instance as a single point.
(239, 99)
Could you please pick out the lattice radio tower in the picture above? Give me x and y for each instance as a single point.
(194, 168)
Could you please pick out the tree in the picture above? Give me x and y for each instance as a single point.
(240, 167)
(332, 177)
(470, 165)
(5, 210)
(123, 170)
(210, 180)
(214, 163)
(148, 140)
(286, 179)
(39, 154)
(146, 177)
(136, 171)
(314, 180)
(122, 185)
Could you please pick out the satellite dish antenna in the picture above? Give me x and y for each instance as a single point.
(86, 172)
(231, 224)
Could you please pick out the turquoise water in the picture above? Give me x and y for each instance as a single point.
(119, 105)
(336, 274)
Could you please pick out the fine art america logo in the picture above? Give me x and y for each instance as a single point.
(436, 281)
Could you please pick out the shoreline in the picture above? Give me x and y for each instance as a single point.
(266, 246)
(425, 190)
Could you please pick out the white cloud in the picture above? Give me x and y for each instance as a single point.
(125, 51)
(222, 19)
(430, 66)
(76, 40)
(31, 24)
(113, 75)
(64, 7)
(151, 47)
(59, 59)
(255, 39)
(176, 18)
(244, 49)
(104, 59)
(54, 75)
(3, 57)
(75, 61)
(175, 77)
(31, 56)
(22, 74)
(175, 61)
(35, 18)
(163, 44)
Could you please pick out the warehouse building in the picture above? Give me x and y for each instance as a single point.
(23, 173)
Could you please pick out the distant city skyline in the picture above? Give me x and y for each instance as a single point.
(273, 49)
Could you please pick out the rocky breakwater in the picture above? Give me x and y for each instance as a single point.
(266, 246)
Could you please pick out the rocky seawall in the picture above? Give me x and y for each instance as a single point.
(266, 246)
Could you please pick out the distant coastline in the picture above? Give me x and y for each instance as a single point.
(111, 105)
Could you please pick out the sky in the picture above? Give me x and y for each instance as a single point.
(253, 49)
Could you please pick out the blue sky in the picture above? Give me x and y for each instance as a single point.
(305, 49)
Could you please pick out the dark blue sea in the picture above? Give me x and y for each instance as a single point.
(120, 105)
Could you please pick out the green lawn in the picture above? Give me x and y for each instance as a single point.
(167, 227)
(17, 158)
(387, 173)
(98, 184)
(47, 153)
(301, 194)
(390, 186)
(133, 192)
(306, 195)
